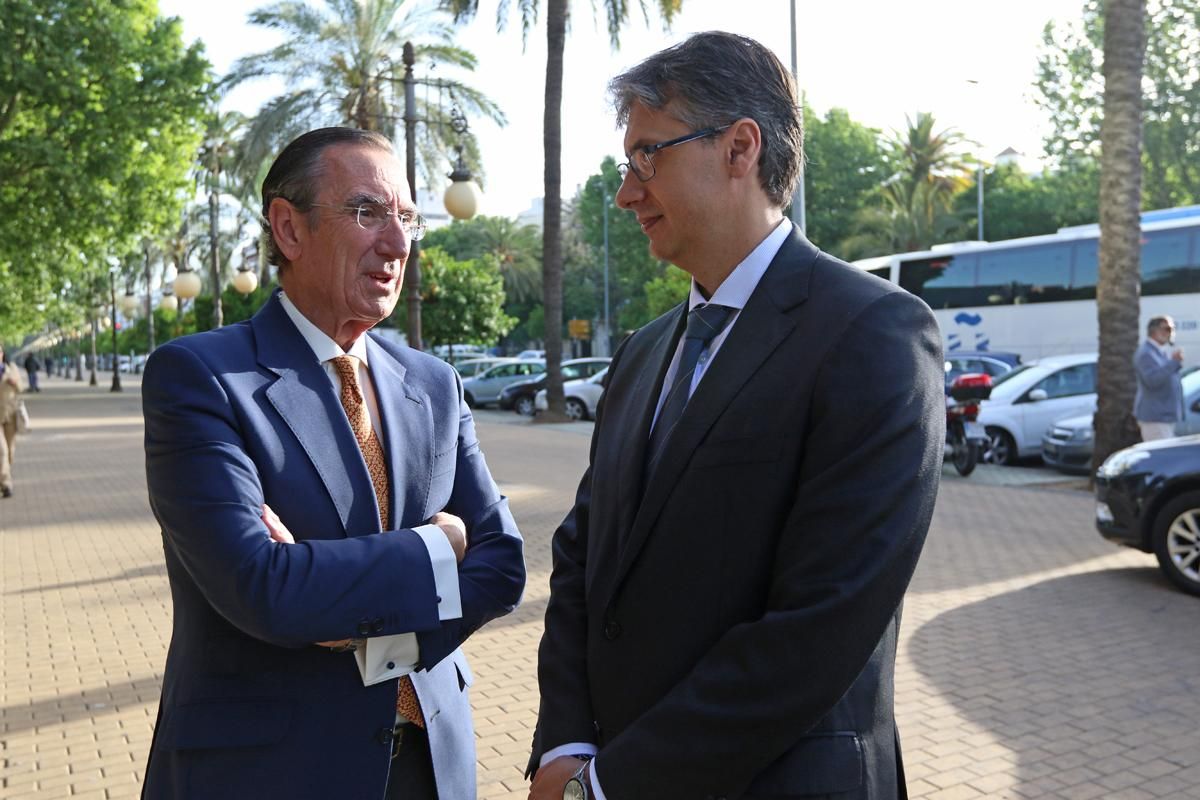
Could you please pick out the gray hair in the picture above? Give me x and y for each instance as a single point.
(294, 174)
(716, 78)
(1161, 321)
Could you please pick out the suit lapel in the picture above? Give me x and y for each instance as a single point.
(407, 420)
(762, 326)
(645, 394)
(304, 398)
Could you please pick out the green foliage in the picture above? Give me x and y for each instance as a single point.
(1016, 204)
(845, 165)
(461, 301)
(235, 306)
(342, 62)
(1071, 84)
(517, 249)
(99, 103)
(667, 291)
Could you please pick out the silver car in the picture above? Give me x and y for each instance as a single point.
(484, 389)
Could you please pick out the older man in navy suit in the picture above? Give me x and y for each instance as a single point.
(726, 591)
(1158, 364)
(331, 531)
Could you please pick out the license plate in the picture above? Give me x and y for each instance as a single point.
(1103, 512)
(974, 430)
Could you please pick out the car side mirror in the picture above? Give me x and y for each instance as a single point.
(1038, 395)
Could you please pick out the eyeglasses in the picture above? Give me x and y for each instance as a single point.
(376, 216)
(642, 166)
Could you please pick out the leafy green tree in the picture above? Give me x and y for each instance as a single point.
(517, 249)
(845, 166)
(667, 291)
(99, 109)
(462, 301)
(1070, 85)
(1017, 204)
(341, 60)
(557, 15)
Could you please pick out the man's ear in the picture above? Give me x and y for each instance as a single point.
(288, 226)
(745, 147)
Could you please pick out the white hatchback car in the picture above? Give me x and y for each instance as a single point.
(582, 396)
(1028, 400)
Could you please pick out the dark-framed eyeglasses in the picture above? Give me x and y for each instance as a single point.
(376, 216)
(640, 162)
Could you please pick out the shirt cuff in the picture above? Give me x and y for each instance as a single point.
(571, 749)
(387, 657)
(594, 780)
(445, 570)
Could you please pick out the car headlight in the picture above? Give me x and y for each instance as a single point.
(1121, 462)
(1083, 435)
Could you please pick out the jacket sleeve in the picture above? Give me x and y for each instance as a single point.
(862, 506)
(1155, 373)
(206, 493)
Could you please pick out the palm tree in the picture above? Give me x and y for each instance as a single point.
(1118, 287)
(920, 156)
(341, 61)
(557, 14)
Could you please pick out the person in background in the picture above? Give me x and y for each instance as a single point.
(32, 366)
(1158, 405)
(10, 391)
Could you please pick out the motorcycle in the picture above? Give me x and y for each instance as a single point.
(966, 438)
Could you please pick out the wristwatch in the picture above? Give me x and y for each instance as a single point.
(577, 785)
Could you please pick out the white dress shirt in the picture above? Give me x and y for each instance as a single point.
(734, 292)
(384, 657)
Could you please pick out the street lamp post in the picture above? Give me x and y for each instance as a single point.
(215, 258)
(607, 328)
(112, 289)
(798, 210)
(149, 299)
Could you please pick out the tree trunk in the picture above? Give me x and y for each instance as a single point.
(556, 34)
(1119, 285)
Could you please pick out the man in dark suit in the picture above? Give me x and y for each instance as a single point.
(331, 531)
(726, 591)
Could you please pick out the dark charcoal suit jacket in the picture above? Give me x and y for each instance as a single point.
(726, 627)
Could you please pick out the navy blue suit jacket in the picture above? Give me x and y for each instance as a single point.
(246, 415)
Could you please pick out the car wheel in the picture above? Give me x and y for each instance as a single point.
(575, 409)
(1177, 541)
(1000, 449)
(524, 406)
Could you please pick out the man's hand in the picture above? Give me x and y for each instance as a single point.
(550, 780)
(455, 531)
(1178, 355)
(280, 533)
(275, 526)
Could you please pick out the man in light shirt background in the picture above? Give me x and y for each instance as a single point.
(1158, 405)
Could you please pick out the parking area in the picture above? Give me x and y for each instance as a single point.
(1036, 659)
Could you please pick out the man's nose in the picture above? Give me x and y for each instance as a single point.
(393, 242)
(629, 192)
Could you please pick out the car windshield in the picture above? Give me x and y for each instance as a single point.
(1191, 382)
(1008, 376)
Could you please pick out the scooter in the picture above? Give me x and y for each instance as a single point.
(966, 438)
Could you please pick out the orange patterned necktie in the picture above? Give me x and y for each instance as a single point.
(360, 422)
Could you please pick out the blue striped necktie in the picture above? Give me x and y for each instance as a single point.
(703, 325)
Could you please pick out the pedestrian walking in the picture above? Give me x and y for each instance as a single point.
(10, 403)
(1158, 405)
(32, 366)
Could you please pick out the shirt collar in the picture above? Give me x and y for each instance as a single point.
(736, 289)
(322, 346)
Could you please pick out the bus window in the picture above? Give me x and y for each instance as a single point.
(1169, 263)
(1037, 274)
(944, 281)
(1086, 269)
(882, 272)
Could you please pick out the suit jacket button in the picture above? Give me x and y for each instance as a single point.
(377, 626)
(384, 736)
(364, 628)
(612, 629)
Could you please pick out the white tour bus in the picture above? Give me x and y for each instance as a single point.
(1037, 296)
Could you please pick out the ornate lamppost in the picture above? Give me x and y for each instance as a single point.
(246, 279)
(116, 366)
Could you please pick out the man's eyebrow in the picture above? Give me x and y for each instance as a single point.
(365, 198)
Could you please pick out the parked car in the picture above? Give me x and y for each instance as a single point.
(1067, 444)
(484, 388)
(983, 362)
(520, 396)
(535, 354)
(470, 367)
(453, 352)
(1026, 400)
(582, 396)
(1148, 498)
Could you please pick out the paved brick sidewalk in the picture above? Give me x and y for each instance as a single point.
(1036, 660)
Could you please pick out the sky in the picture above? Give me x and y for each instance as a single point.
(971, 63)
